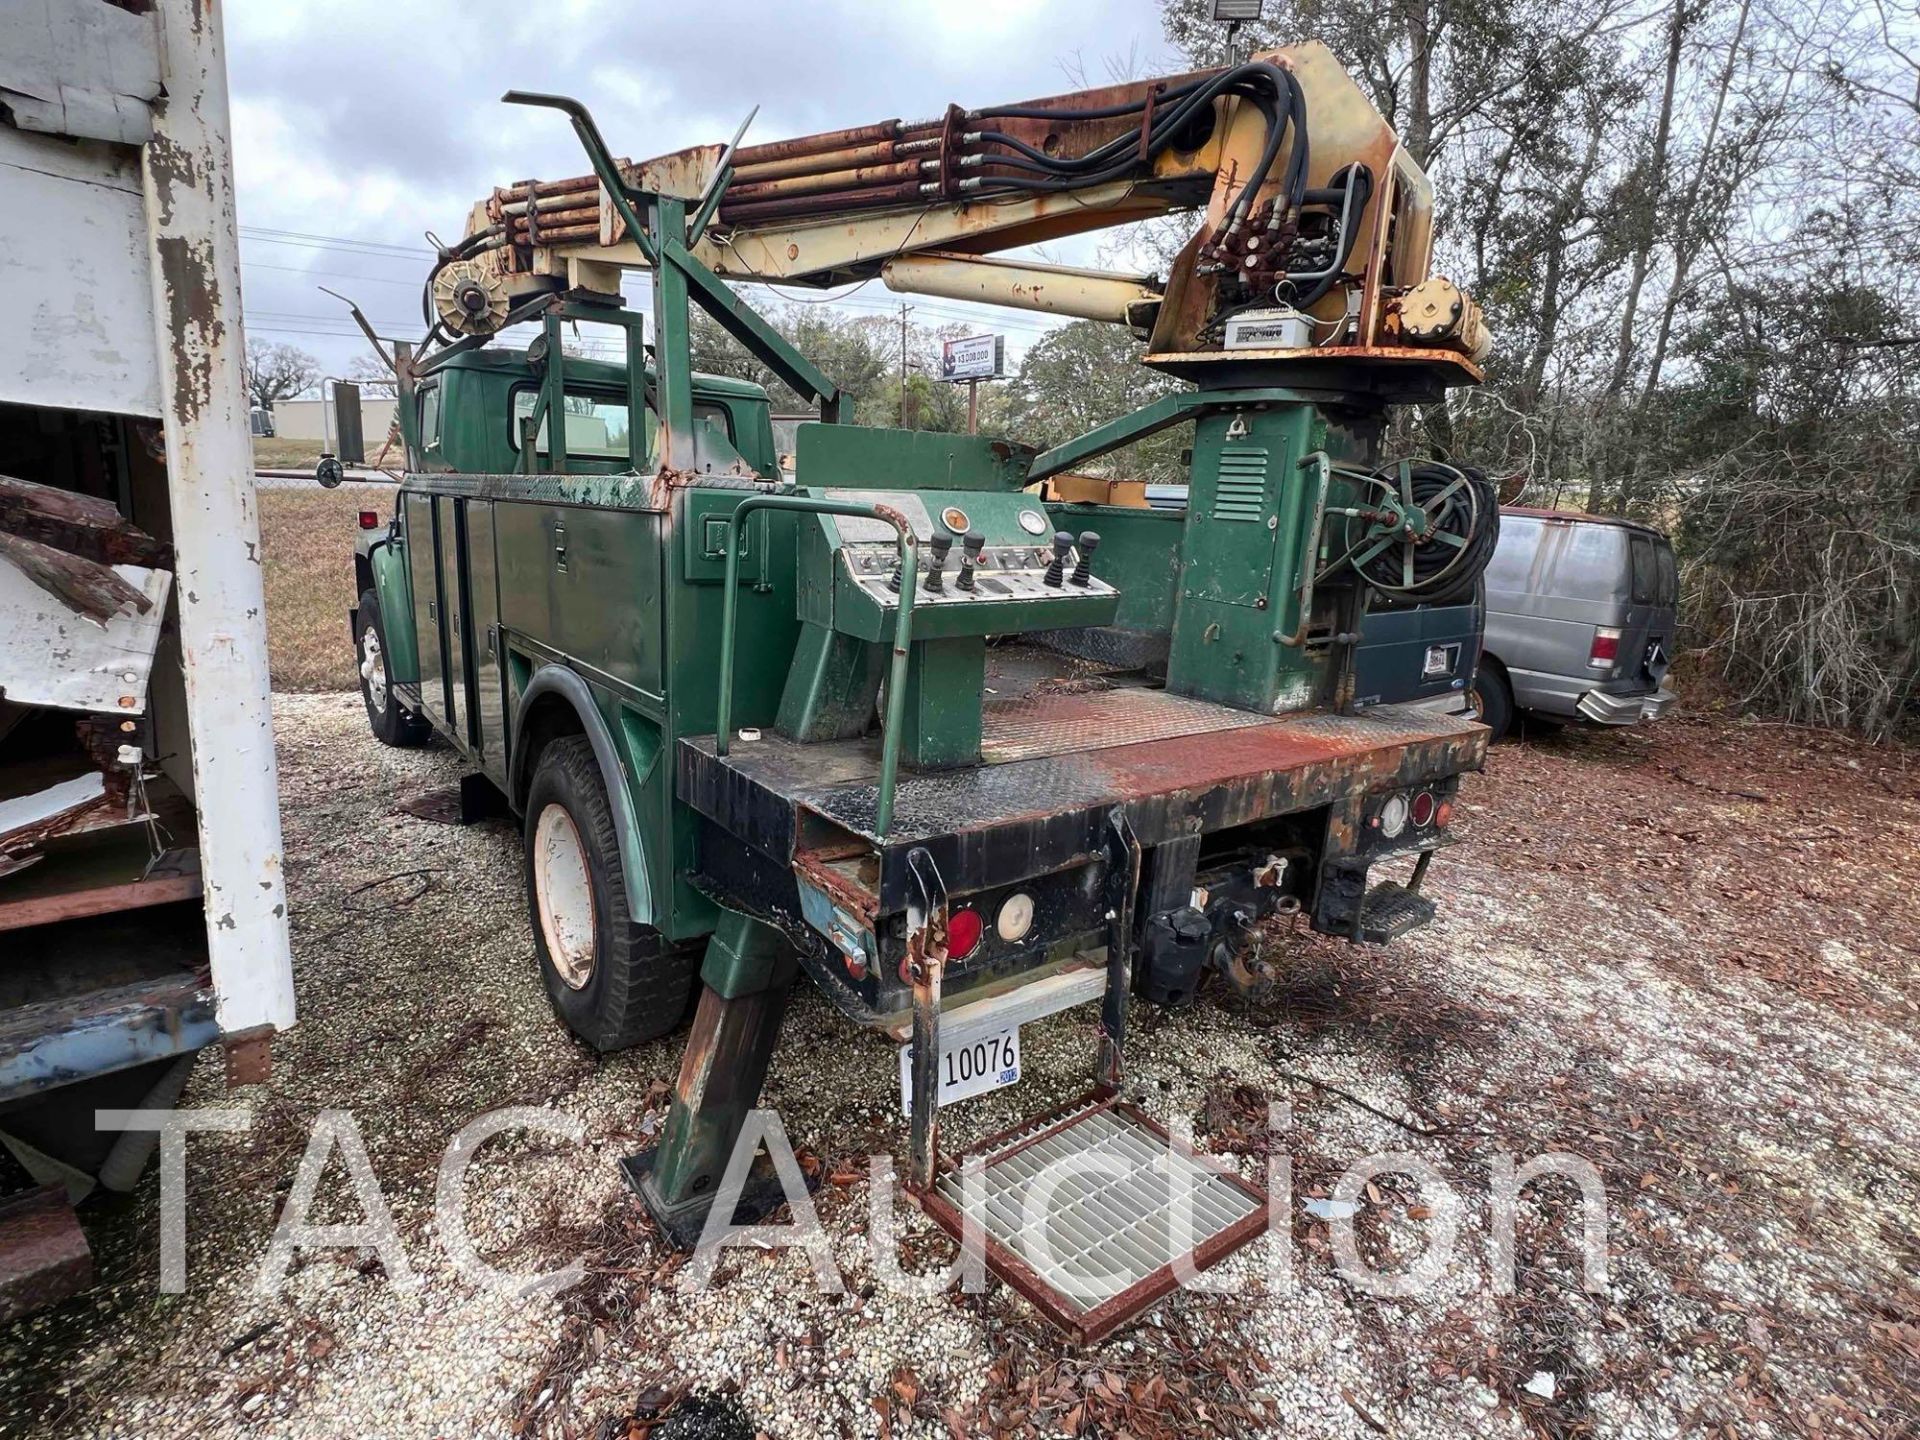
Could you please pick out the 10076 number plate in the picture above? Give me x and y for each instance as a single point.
(970, 1065)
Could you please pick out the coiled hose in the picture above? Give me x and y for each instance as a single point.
(1443, 566)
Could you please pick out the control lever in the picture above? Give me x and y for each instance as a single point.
(940, 546)
(1056, 572)
(1083, 572)
(971, 544)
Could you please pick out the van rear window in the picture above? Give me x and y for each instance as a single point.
(1669, 593)
(1646, 572)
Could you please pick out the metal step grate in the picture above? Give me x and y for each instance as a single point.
(1099, 1248)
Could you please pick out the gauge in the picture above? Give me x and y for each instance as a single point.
(955, 519)
(1033, 522)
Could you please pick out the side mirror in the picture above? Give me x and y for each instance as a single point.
(329, 472)
(351, 444)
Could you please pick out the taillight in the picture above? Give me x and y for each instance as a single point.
(369, 519)
(1423, 808)
(1606, 647)
(963, 933)
(1393, 816)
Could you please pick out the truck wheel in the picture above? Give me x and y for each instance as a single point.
(392, 723)
(612, 982)
(1492, 700)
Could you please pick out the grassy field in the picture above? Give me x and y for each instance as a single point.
(306, 544)
(273, 453)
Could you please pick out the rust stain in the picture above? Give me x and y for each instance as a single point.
(194, 310)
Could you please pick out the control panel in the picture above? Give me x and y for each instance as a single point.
(989, 563)
(972, 570)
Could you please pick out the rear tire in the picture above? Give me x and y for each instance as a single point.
(391, 722)
(1492, 700)
(612, 981)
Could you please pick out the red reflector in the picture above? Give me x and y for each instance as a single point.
(1423, 808)
(1445, 812)
(963, 933)
(369, 519)
(1606, 646)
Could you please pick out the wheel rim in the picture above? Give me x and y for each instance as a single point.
(373, 668)
(1476, 707)
(563, 892)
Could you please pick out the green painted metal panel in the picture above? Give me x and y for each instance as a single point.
(587, 582)
(483, 595)
(424, 586)
(945, 680)
(1248, 507)
(850, 457)
(1139, 553)
(832, 686)
(453, 614)
(393, 586)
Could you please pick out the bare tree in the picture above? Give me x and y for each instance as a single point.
(278, 372)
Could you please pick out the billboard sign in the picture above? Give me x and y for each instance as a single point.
(977, 357)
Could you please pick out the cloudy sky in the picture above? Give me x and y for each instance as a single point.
(361, 123)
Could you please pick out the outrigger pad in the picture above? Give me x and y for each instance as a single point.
(684, 1224)
(1101, 1249)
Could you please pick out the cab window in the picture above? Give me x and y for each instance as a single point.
(430, 417)
(596, 424)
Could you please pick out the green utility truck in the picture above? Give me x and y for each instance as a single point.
(960, 755)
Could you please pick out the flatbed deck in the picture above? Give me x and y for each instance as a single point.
(1063, 746)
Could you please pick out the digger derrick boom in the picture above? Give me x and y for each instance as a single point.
(1337, 229)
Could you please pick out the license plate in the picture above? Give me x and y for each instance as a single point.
(1439, 661)
(970, 1065)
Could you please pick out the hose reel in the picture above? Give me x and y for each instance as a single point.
(468, 297)
(1419, 530)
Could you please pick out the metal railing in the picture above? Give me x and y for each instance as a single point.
(909, 548)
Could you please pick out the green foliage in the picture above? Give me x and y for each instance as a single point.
(1083, 375)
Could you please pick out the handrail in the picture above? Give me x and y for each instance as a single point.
(902, 627)
(1310, 553)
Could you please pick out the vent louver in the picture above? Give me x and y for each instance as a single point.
(1242, 490)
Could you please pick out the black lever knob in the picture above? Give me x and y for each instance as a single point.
(1083, 572)
(971, 544)
(1056, 572)
(940, 545)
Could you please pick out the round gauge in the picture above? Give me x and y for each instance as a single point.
(1033, 522)
(1015, 918)
(955, 519)
(1393, 816)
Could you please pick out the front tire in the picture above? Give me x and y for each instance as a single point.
(391, 722)
(612, 981)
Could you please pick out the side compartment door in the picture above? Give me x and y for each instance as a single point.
(483, 603)
(452, 569)
(422, 551)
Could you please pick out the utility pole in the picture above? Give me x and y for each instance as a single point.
(905, 310)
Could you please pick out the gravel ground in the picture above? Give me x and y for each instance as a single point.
(1684, 954)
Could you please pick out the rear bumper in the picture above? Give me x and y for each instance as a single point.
(1605, 709)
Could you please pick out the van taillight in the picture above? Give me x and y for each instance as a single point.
(369, 519)
(1606, 647)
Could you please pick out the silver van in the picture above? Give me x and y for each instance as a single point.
(1580, 621)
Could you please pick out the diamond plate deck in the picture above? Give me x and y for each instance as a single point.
(1086, 1212)
(1051, 723)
